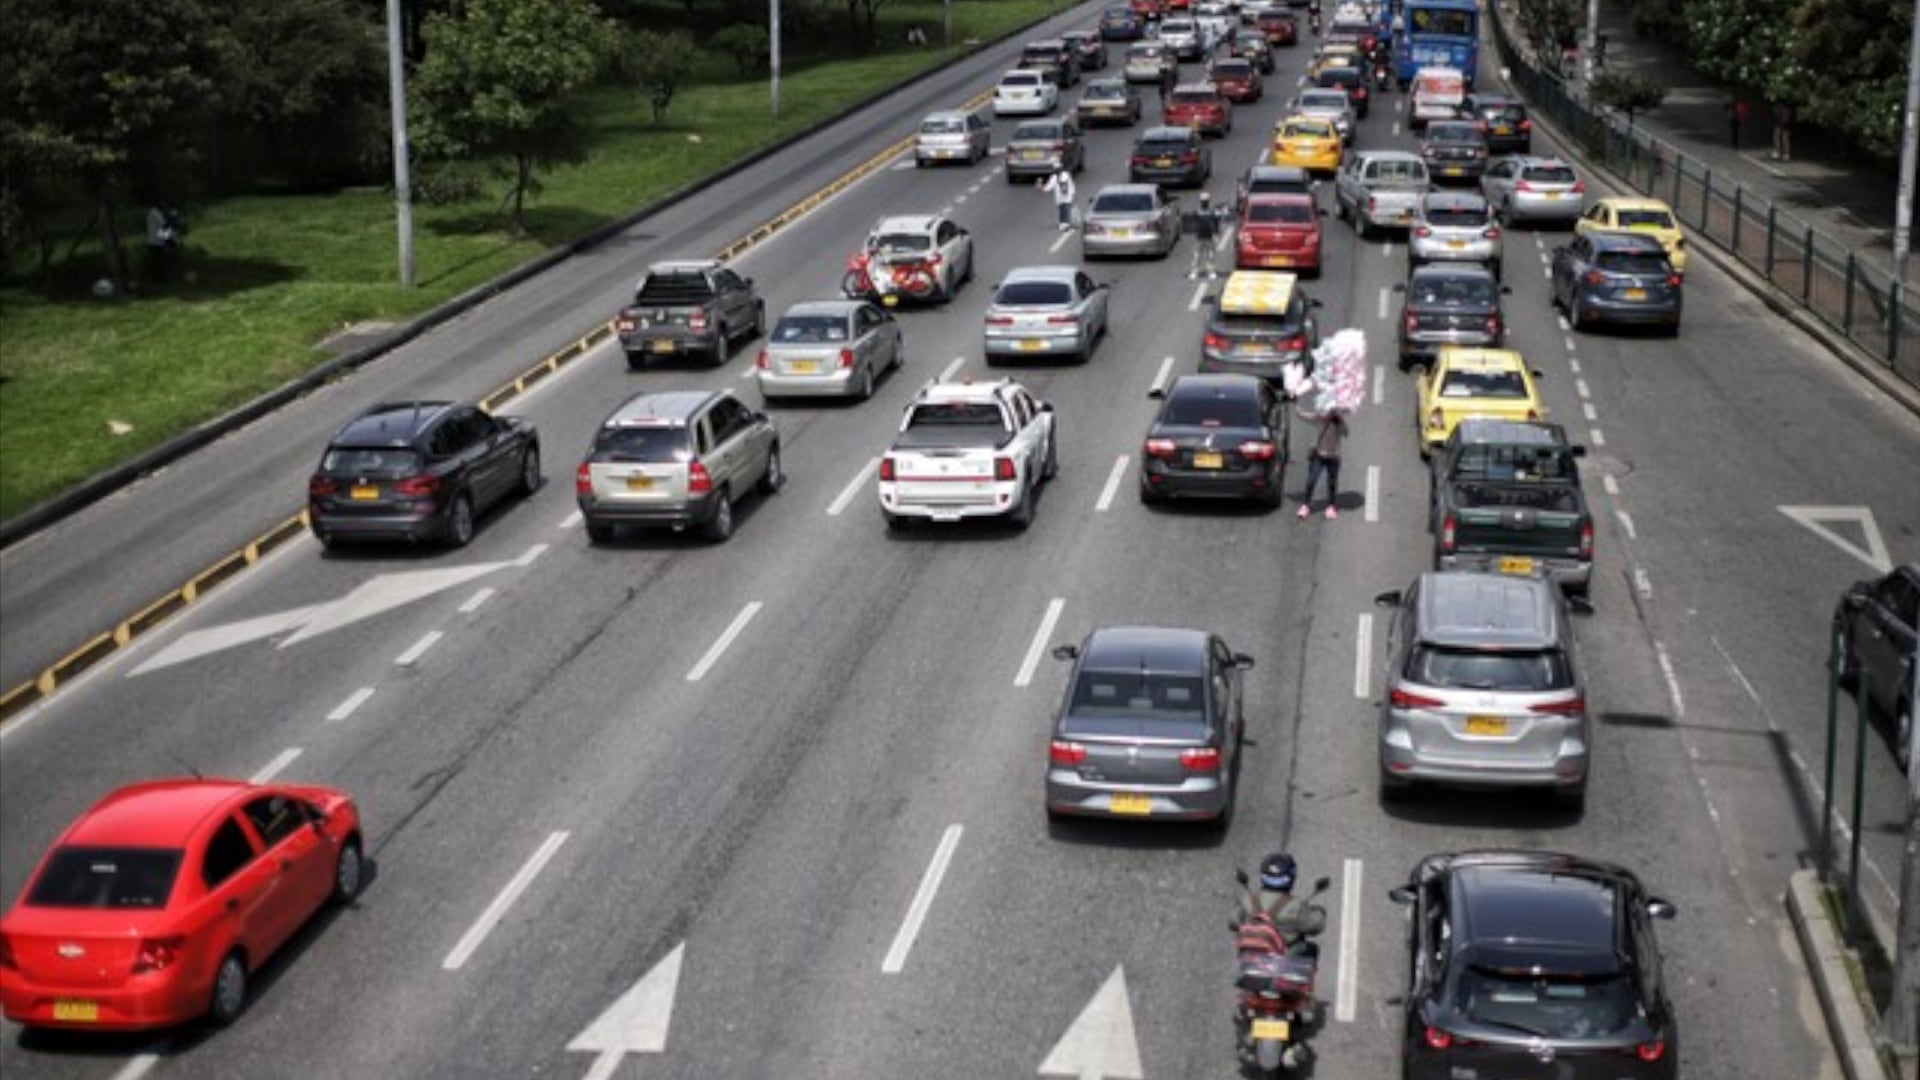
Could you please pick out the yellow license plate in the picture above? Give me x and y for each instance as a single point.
(1122, 234)
(662, 346)
(1486, 725)
(1030, 345)
(1271, 1029)
(1456, 243)
(1551, 194)
(889, 300)
(1132, 804)
(1503, 130)
(1209, 461)
(79, 1012)
(1453, 170)
(804, 367)
(1163, 162)
(1033, 155)
(1514, 564)
(364, 493)
(1635, 294)
(636, 482)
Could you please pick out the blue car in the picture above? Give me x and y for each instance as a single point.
(1121, 24)
(1616, 277)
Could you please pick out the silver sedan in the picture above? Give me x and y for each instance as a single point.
(1045, 311)
(830, 348)
(1130, 219)
(1525, 188)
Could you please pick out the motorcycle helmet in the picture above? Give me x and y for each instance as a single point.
(1277, 872)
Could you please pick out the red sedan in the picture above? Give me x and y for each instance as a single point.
(1198, 106)
(1279, 231)
(1237, 80)
(158, 904)
(1279, 26)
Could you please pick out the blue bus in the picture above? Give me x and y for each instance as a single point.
(1436, 33)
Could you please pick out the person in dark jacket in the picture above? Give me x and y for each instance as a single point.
(1324, 460)
(1274, 898)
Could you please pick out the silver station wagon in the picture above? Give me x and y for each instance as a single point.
(678, 459)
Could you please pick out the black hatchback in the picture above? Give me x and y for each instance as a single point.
(1449, 304)
(1531, 963)
(1509, 129)
(419, 470)
(1217, 437)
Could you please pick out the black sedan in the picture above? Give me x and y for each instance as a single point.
(1874, 631)
(419, 470)
(1217, 436)
(1170, 157)
(1529, 963)
(1449, 304)
(1616, 277)
(1353, 81)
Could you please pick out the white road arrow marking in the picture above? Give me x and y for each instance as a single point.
(1815, 517)
(1100, 1044)
(636, 1023)
(369, 598)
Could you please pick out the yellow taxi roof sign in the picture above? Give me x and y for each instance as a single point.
(1257, 292)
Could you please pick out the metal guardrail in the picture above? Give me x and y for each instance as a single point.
(1860, 299)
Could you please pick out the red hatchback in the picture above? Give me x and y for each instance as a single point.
(1279, 231)
(1279, 26)
(1199, 106)
(1237, 80)
(156, 906)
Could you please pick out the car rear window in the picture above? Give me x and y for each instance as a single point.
(1207, 409)
(1502, 113)
(1123, 203)
(942, 127)
(1340, 77)
(1632, 262)
(1516, 464)
(1035, 293)
(1550, 1007)
(810, 329)
(1162, 147)
(1448, 132)
(1042, 132)
(1483, 384)
(1657, 218)
(1398, 171)
(1323, 99)
(892, 243)
(1458, 217)
(1453, 291)
(670, 289)
(1549, 174)
(1104, 90)
(1137, 695)
(1306, 129)
(1233, 70)
(106, 878)
(954, 423)
(1283, 213)
(1039, 52)
(371, 461)
(626, 443)
(1145, 52)
(1518, 670)
(1194, 97)
(1026, 78)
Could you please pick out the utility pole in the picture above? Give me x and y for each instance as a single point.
(1903, 208)
(402, 184)
(1592, 46)
(946, 24)
(1900, 1023)
(773, 58)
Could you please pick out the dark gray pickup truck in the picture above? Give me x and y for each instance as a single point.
(1506, 497)
(685, 308)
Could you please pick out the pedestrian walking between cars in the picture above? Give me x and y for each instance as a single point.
(1203, 223)
(1060, 185)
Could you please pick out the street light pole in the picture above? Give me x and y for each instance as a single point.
(1593, 45)
(1910, 132)
(946, 24)
(773, 56)
(402, 184)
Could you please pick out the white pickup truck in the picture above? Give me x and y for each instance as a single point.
(968, 449)
(1378, 189)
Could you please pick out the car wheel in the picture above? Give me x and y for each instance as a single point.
(759, 320)
(1150, 497)
(1052, 467)
(1573, 799)
(229, 998)
(1574, 318)
(864, 390)
(896, 522)
(720, 526)
(599, 532)
(530, 470)
(327, 542)
(1498, 271)
(1021, 517)
(460, 522)
(348, 873)
(1393, 789)
(635, 361)
(1360, 227)
(775, 477)
(1505, 214)
(1224, 822)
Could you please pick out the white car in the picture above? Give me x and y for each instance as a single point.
(1328, 103)
(1025, 93)
(968, 449)
(1187, 37)
(932, 243)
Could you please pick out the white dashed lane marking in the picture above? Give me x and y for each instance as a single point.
(1160, 377)
(852, 489)
(1112, 486)
(272, 768)
(346, 708)
(1373, 493)
(1362, 654)
(1039, 643)
(418, 649)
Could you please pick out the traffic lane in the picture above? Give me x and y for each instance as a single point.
(72, 576)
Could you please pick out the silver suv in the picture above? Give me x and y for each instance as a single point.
(677, 458)
(1483, 687)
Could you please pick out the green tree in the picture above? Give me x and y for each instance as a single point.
(658, 62)
(108, 93)
(1629, 93)
(501, 81)
(306, 80)
(747, 43)
(1859, 47)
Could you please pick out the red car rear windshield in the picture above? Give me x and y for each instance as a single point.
(1195, 97)
(106, 878)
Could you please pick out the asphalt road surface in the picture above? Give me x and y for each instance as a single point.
(773, 807)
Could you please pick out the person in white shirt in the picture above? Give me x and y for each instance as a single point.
(1060, 185)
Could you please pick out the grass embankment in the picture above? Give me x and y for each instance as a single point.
(270, 277)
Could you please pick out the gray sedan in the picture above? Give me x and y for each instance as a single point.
(1524, 188)
(1130, 219)
(828, 348)
(1040, 148)
(1045, 311)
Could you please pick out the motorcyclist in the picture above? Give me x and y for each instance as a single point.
(1296, 921)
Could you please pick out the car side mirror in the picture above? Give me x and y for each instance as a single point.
(1243, 661)
(1066, 652)
(760, 418)
(1506, 290)
(1537, 373)
(1400, 287)
(1661, 909)
(1577, 451)
(1157, 394)
(1240, 876)
(1046, 406)
(1390, 598)
(1401, 894)
(1579, 605)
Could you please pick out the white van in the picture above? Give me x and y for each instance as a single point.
(1438, 94)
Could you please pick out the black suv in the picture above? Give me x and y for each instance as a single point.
(419, 470)
(1449, 304)
(1530, 963)
(1509, 130)
(1874, 630)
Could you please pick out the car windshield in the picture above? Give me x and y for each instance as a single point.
(1658, 219)
(894, 243)
(1552, 1007)
(1124, 202)
(954, 423)
(1399, 171)
(106, 878)
(626, 442)
(1481, 383)
(810, 329)
(1206, 409)
(1036, 293)
(1458, 217)
(1549, 174)
(1437, 291)
(1194, 97)
(1632, 262)
(1288, 213)
(1140, 695)
(371, 461)
(1038, 132)
(1513, 670)
(943, 127)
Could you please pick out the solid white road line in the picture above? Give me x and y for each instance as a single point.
(1612, 485)
(477, 933)
(1362, 654)
(1039, 644)
(1596, 436)
(1113, 483)
(946, 373)
(1347, 976)
(354, 701)
(571, 520)
(853, 487)
(418, 649)
(272, 768)
(1673, 681)
(527, 558)
(1381, 308)
(1580, 387)
(719, 647)
(896, 957)
(137, 1066)
(1200, 290)
(1587, 407)
(1059, 241)
(1379, 384)
(473, 602)
(1373, 493)
(1160, 377)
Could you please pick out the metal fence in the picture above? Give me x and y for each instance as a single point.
(1860, 299)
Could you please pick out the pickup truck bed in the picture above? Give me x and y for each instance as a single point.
(1488, 514)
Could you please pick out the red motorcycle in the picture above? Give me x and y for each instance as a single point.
(875, 277)
(1275, 982)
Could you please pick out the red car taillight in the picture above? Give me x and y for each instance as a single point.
(846, 359)
(1257, 451)
(1586, 539)
(1215, 341)
(583, 480)
(1201, 759)
(1652, 1051)
(1491, 232)
(157, 954)
(1295, 343)
(414, 487)
(1423, 231)
(1161, 448)
(1435, 1038)
(625, 326)
(1140, 160)
(1003, 468)
(1673, 281)
(1526, 125)
(1061, 320)
(699, 481)
(1413, 322)
(1191, 157)
(1569, 707)
(1579, 187)
(999, 320)
(1062, 752)
(1524, 185)
(320, 487)
(1493, 326)
(763, 362)
(697, 321)
(1594, 277)
(1446, 533)
(886, 469)
(1401, 699)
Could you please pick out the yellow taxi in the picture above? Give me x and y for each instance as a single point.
(1468, 381)
(1307, 142)
(1650, 216)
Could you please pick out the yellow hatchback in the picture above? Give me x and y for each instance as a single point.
(1306, 142)
(1650, 216)
(1465, 381)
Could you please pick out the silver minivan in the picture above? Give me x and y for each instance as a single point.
(1483, 687)
(952, 135)
(676, 458)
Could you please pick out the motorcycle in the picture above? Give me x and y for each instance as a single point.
(1275, 983)
(874, 277)
(1382, 74)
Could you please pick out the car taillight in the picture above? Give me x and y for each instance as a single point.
(1579, 187)
(1201, 759)
(1423, 231)
(1436, 1039)
(933, 259)
(1524, 185)
(1061, 320)
(1594, 277)
(1526, 125)
(1533, 415)
(1651, 1051)
(1190, 157)
(1413, 322)
(1373, 204)
(1161, 448)
(1493, 326)
(1215, 341)
(697, 321)
(1257, 451)
(1586, 539)
(1401, 699)
(846, 359)
(1003, 468)
(1140, 159)
(1673, 281)
(999, 320)
(699, 481)
(886, 469)
(1570, 707)
(624, 326)
(415, 487)
(1446, 533)
(583, 479)
(157, 954)
(763, 362)
(1295, 343)
(1491, 232)
(320, 487)
(1062, 752)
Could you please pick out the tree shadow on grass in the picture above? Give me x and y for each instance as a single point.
(193, 275)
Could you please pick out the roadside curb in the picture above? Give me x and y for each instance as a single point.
(1826, 959)
(104, 483)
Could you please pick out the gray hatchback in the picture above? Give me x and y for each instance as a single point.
(1150, 726)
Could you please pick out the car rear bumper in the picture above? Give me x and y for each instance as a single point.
(1198, 799)
(1459, 765)
(1188, 176)
(692, 511)
(161, 1001)
(1509, 144)
(1105, 116)
(1156, 479)
(943, 153)
(668, 342)
(1542, 207)
(1038, 167)
(838, 383)
(1619, 311)
(1135, 243)
(424, 524)
(1457, 170)
(996, 500)
(1271, 367)
(1069, 343)
(1037, 107)
(1560, 570)
(1474, 251)
(1427, 345)
(1250, 258)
